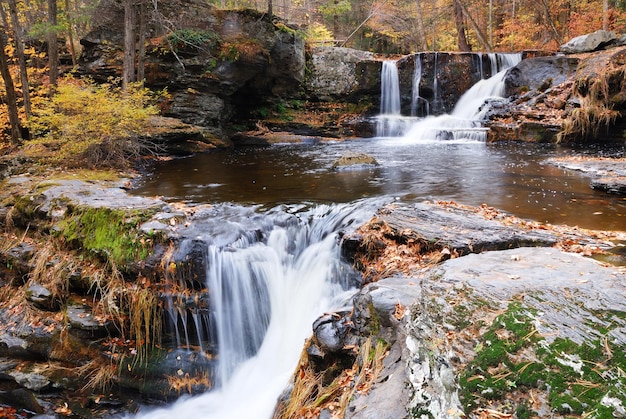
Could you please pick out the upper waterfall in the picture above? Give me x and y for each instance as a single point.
(464, 121)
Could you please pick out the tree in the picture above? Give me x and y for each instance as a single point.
(19, 43)
(460, 27)
(53, 46)
(130, 22)
(14, 120)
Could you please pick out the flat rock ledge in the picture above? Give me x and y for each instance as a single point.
(608, 174)
(516, 328)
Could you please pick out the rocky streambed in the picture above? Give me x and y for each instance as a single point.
(462, 309)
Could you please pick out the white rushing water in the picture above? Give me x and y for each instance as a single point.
(268, 290)
(390, 122)
(464, 124)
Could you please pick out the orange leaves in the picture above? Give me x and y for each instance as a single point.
(8, 412)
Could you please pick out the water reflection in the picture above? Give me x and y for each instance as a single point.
(514, 178)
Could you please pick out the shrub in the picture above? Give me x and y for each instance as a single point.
(88, 124)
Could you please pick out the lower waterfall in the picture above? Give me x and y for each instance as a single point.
(282, 270)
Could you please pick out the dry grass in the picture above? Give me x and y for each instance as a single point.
(144, 319)
(598, 98)
(187, 382)
(309, 394)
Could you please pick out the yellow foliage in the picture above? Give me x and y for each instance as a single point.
(82, 122)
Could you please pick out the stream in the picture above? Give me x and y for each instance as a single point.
(272, 232)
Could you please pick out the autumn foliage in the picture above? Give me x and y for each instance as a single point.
(87, 124)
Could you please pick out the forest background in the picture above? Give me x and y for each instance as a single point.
(38, 37)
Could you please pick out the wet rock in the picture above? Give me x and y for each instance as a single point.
(30, 380)
(41, 297)
(590, 42)
(24, 399)
(331, 332)
(19, 257)
(462, 231)
(11, 345)
(85, 324)
(354, 160)
(609, 174)
(613, 185)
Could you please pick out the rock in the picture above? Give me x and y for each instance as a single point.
(609, 173)
(13, 346)
(460, 230)
(174, 137)
(30, 380)
(331, 332)
(588, 43)
(246, 61)
(535, 73)
(24, 399)
(41, 297)
(354, 160)
(613, 185)
(85, 325)
(334, 71)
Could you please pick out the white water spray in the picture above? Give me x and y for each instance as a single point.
(464, 123)
(267, 294)
(389, 122)
(416, 99)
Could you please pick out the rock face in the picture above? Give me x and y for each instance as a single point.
(338, 72)
(561, 99)
(223, 65)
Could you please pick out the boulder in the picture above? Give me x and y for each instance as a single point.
(539, 73)
(354, 159)
(334, 72)
(589, 42)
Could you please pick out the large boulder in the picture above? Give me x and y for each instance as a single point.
(589, 42)
(334, 72)
(539, 73)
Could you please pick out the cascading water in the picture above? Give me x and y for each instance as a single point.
(269, 276)
(416, 99)
(389, 122)
(464, 123)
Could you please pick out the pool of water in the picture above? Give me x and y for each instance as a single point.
(512, 177)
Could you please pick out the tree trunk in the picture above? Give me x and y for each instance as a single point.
(270, 12)
(479, 33)
(141, 59)
(70, 32)
(53, 47)
(421, 32)
(14, 119)
(605, 15)
(130, 20)
(19, 43)
(459, 19)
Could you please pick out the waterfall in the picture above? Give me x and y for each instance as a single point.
(389, 89)
(502, 61)
(415, 88)
(464, 123)
(389, 122)
(269, 277)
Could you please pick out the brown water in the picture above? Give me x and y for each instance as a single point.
(513, 178)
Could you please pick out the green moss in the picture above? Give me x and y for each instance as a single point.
(112, 234)
(513, 359)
